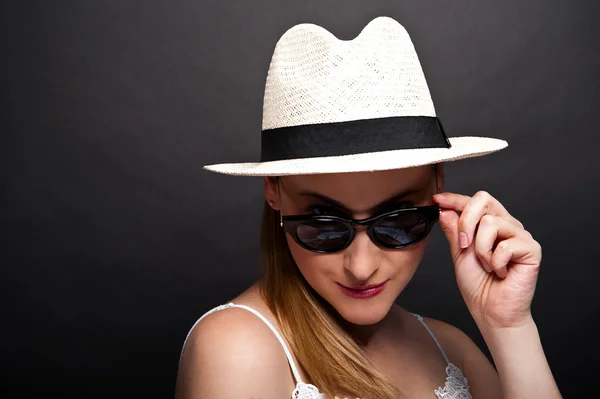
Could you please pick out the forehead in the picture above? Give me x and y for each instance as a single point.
(361, 190)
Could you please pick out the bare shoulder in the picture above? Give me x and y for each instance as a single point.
(232, 353)
(457, 345)
(466, 355)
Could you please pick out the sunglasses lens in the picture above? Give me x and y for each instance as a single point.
(401, 229)
(323, 235)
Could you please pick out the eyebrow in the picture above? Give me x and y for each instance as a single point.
(382, 205)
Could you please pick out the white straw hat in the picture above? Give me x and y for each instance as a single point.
(333, 106)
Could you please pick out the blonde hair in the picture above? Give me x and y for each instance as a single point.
(333, 361)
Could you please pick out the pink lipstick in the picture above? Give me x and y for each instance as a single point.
(363, 291)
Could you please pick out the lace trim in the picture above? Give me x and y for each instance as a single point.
(457, 386)
(309, 391)
(306, 391)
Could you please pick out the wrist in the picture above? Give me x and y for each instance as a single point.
(503, 339)
(516, 327)
(520, 360)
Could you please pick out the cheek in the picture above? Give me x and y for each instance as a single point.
(316, 268)
(320, 270)
(403, 263)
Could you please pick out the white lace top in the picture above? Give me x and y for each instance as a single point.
(456, 386)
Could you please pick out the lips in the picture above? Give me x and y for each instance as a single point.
(363, 291)
(363, 287)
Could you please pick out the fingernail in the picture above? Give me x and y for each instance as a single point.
(486, 266)
(463, 240)
(501, 272)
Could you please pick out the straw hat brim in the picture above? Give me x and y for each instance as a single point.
(462, 148)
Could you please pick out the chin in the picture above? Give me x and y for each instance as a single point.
(364, 312)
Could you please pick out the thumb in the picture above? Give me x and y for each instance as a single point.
(448, 221)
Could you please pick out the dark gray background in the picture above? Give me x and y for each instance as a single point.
(115, 241)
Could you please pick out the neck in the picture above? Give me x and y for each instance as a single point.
(365, 335)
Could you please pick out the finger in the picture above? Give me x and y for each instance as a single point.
(448, 220)
(481, 204)
(473, 211)
(459, 202)
(491, 228)
(516, 250)
(451, 200)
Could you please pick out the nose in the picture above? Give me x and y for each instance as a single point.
(361, 258)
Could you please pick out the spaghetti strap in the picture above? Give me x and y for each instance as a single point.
(432, 336)
(260, 316)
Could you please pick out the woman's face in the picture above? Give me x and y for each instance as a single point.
(363, 262)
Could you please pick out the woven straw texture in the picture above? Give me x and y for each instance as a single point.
(315, 78)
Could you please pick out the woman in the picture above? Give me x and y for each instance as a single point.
(353, 164)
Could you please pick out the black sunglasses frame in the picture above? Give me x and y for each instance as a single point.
(291, 223)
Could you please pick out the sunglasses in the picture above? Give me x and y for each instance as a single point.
(391, 230)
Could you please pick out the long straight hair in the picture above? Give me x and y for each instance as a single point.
(331, 358)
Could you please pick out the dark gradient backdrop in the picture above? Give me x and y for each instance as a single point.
(115, 241)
